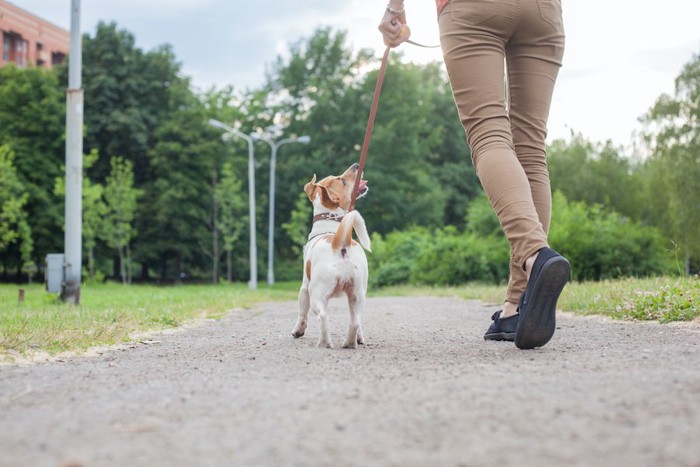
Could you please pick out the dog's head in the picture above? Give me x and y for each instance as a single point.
(335, 191)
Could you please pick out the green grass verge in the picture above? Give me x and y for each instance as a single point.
(661, 299)
(110, 313)
(113, 313)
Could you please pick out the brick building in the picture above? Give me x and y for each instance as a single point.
(28, 40)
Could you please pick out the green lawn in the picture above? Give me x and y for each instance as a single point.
(111, 313)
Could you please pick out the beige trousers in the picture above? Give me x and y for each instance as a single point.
(507, 140)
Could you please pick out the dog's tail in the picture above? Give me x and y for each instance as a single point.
(343, 237)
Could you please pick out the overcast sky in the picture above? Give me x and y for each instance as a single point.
(621, 54)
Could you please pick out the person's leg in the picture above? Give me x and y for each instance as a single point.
(473, 38)
(534, 57)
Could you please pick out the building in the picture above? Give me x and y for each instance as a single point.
(28, 40)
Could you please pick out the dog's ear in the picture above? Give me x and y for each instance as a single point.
(331, 201)
(310, 187)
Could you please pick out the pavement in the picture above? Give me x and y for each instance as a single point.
(425, 390)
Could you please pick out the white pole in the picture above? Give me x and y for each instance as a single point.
(74, 164)
(271, 227)
(271, 221)
(253, 282)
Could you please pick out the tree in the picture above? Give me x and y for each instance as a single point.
(595, 173)
(32, 123)
(14, 228)
(418, 155)
(120, 198)
(298, 227)
(229, 198)
(673, 132)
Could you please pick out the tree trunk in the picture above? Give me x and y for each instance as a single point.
(122, 266)
(91, 262)
(215, 255)
(229, 266)
(128, 264)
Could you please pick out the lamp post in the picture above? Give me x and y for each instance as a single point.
(274, 145)
(253, 283)
(70, 292)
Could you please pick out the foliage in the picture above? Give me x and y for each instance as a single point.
(426, 208)
(670, 303)
(229, 197)
(595, 174)
(602, 244)
(120, 200)
(32, 124)
(14, 228)
(674, 136)
(663, 298)
(298, 227)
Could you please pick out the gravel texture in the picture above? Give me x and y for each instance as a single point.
(425, 390)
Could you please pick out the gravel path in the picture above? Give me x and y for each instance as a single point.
(426, 390)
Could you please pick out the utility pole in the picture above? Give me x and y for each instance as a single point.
(253, 282)
(274, 145)
(70, 292)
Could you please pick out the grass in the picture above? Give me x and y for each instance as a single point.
(113, 313)
(661, 299)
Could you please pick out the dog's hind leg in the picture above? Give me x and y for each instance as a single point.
(303, 319)
(355, 303)
(319, 308)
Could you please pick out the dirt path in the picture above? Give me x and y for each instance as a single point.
(426, 390)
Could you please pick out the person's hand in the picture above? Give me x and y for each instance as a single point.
(393, 25)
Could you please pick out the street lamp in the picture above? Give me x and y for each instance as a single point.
(253, 283)
(273, 164)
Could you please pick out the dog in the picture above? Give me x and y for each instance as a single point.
(334, 264)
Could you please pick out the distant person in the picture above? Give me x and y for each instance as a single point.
(507, 140)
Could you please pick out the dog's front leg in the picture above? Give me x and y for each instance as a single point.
(303, 319)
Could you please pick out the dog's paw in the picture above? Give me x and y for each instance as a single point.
(299, 330)
(350, 344)
(360, 340)
(324, 344)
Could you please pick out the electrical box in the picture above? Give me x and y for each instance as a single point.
(55, 272)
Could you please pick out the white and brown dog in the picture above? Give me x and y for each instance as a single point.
(334, 264)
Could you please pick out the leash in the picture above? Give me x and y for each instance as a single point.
(370, 122)
(370, 126)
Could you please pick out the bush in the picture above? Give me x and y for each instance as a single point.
(600, 245)
(439, 257)
(394, 258)
(604, 245)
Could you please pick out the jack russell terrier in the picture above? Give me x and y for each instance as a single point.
(334, 264)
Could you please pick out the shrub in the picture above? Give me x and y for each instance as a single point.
(604, 245)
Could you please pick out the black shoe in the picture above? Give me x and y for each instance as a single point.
(502, 329)
(538, 304)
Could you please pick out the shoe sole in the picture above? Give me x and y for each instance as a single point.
(500, 336)
(537, 323)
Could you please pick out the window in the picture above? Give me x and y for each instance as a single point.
(6, 46)
(40, 54)
(22, 49)
(57, 58)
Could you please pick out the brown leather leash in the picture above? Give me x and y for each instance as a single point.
(370, 126)
(370, 122)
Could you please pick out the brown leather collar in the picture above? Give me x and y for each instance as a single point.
(328, 216)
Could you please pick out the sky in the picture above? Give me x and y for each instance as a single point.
(621, 55)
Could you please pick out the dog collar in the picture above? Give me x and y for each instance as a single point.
(328, 216)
